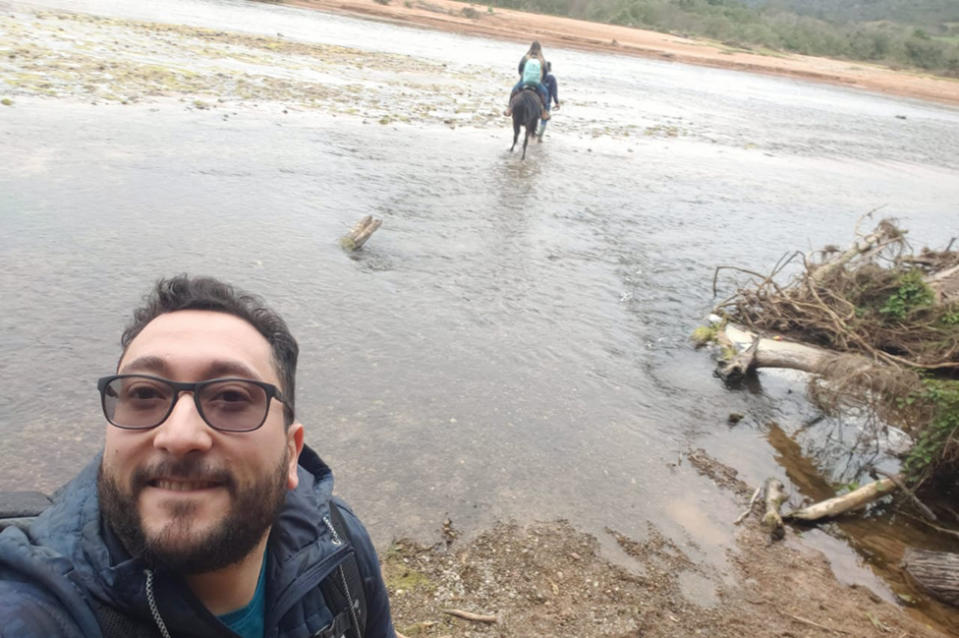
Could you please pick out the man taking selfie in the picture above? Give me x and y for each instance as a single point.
(205, 515)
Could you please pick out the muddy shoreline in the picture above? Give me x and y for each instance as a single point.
(550, 579)
(478, 19)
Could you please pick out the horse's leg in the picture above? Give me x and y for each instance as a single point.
(526, 139)
(515, 133)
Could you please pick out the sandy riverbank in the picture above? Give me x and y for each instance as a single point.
(476, 19)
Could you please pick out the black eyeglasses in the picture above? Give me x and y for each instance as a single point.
(142, 401)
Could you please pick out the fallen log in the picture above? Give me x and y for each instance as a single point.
(839, 504)
(736, 369)
(775, 497)
(765, 352)
(360, 232)
(936, 572)
(923, 509)
(858, 372)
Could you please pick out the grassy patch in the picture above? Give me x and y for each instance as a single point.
(703, 335)
(937, 446)
(399, 575)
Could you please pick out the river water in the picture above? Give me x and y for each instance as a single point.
(513, 343)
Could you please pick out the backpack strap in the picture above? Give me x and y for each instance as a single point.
(343, 588)
(115, 624)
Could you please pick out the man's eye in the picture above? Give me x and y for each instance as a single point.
(231, 396)
(144, 393)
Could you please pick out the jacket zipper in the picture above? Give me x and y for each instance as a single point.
(308, 581)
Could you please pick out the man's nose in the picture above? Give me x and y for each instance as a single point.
(184, 430)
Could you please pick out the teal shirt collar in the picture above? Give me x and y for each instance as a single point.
(248, 621)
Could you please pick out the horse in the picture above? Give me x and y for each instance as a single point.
(526, 107)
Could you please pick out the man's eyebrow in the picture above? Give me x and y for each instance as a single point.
(216, 368)
(223, 368)
(145, 364)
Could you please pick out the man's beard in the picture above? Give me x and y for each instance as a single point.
(253, 509)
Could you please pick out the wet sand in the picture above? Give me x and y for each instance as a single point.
(476, 19)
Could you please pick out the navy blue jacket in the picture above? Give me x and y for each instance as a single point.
(551, 87)
(68, 556)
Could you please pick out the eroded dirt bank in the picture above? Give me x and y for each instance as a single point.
(477, 19)
(549, 579)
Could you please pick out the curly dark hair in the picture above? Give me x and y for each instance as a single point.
(206, 293)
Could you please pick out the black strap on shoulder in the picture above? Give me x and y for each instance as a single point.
(343, 588)
(115, 624)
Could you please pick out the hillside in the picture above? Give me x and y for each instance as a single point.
(930, 14)
(896, 33)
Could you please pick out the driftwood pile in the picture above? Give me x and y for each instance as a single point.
(872, 324)
(856, 301)
(877, 328)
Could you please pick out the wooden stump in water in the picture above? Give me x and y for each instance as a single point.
(775, 497)
(360, 232)
(936, 572)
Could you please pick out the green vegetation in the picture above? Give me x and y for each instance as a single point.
(703, 335)
(6, 101)
(398, 573)
(921, 34)
(912, 293)
(936, 451)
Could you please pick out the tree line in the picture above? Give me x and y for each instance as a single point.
(932, 46)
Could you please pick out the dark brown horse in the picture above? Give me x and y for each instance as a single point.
(526, 107)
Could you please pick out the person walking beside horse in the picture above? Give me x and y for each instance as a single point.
(552, 88)
(532, 70)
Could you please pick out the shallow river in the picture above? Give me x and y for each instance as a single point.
(513, 342)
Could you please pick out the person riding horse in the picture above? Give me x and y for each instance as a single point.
(525, 108)
(532, 70)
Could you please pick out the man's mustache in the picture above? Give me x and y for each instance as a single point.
(190, 469)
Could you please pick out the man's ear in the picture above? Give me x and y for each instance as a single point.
(294, 445)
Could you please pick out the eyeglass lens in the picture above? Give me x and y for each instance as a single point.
(144, 402)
